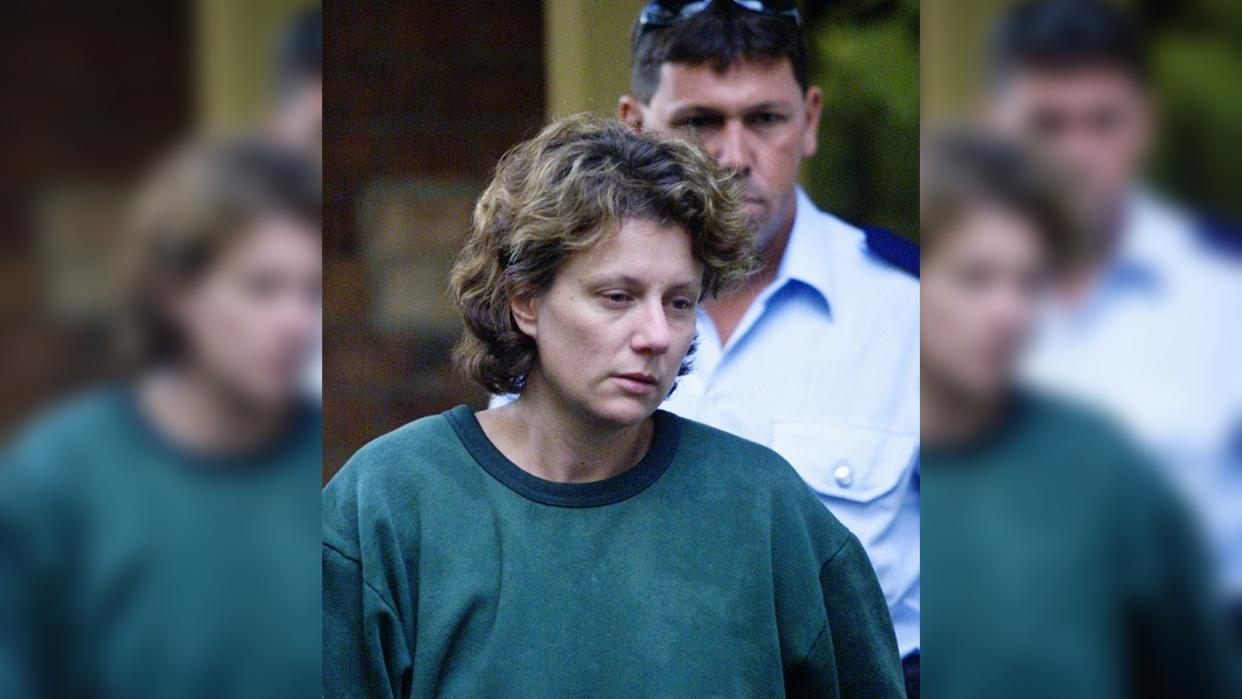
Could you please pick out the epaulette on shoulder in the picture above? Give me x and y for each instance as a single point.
(893, 249)
(1220, 237)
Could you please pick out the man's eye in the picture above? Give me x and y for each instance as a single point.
(616, 297)
(683, 304)
(698, 123)
(1047, 124)
(1105, 121)
(766, 119)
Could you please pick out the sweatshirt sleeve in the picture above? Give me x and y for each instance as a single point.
(856, 653)
(39, 653)
(1180, 644)
(364, 648)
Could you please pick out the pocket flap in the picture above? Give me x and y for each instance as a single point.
(844, 461)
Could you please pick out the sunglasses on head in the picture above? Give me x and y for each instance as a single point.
(662, 13)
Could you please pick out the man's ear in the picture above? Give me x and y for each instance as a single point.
(630, 110)
(814, 106)
(524, 310)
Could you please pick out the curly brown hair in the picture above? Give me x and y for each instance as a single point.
(964, 168)
(564, 192)
(192, 206)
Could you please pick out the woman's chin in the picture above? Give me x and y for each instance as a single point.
(623, 411)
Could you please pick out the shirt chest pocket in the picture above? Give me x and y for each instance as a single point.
(850, 462)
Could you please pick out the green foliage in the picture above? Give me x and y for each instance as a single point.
(1197, 61)
(865, 57)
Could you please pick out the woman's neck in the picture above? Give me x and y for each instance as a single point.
(555, 442)
(951, 417)
(196, 412)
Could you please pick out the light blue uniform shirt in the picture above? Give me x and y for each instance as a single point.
(824, 368)
(1156, 342)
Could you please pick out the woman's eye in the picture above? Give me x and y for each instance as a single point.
(616, 297)
(263, 286)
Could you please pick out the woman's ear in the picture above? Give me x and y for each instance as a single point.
(524, 309)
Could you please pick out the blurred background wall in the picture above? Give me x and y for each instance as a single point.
(93, 91)
(420, 100)
(1196, 59)
(423, 97)
(234, 44)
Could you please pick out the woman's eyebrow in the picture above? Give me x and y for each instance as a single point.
(632, 282)
(691, 286)
(614, 279)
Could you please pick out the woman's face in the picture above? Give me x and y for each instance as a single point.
(982, 286)
(615, 325)
(252, 319)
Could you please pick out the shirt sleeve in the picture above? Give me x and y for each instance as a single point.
(364, 649)
(856, 653)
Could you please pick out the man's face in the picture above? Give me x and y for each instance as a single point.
(252, 319)
(981, 287)
(615, 325)
(753, 118)
(1096, 121)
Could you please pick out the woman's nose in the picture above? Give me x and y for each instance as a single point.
(653, 333)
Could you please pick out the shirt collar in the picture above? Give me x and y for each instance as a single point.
(808, 256)
(1140, 265)
(1150, 241)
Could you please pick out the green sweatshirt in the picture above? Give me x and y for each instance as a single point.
(132, 568)
(708, 569)
(1057, 564)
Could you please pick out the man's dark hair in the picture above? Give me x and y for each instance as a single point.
(299, 55)
(720, 35)
(1066, 35)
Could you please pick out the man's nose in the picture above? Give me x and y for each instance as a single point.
(732, 149)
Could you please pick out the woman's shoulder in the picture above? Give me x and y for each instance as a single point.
(1080, 444)
(403, 454)
(730, 454)
(385, 483)
(760, 479)
(79, 424)
(1079, 430)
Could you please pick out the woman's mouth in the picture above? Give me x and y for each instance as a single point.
(637, 383)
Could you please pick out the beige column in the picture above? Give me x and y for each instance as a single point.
(235, 42)
(587, 54)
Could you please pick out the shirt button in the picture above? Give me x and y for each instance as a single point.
(843, 475)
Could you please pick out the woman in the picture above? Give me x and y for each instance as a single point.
(157, 534)
(579, 541)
